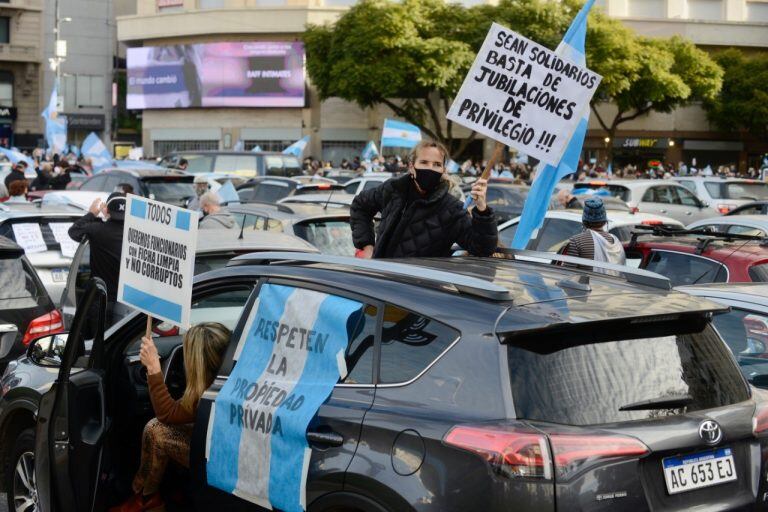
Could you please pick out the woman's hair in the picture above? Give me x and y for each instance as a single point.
(18, 187)
(204, 346)
(424, 144)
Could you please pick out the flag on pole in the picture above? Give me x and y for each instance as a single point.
(452, 167)
(571, 48)
(55, 125)
(228, 194)
(370, 152)
(257, 149)
(94, 149)
(239, 145)
(297, 148)
(397, 134)
(16, 156)
(610, 169)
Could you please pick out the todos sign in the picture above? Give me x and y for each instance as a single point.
(524, 95)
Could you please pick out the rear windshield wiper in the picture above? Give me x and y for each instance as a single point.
(662, 402)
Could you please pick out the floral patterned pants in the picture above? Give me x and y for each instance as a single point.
(159, 444)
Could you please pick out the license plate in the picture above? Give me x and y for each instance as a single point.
(698, 470)
(59, 275)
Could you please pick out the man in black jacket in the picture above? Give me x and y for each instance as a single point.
(419, 217)
(16, 174)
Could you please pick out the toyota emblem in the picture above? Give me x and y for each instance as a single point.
(710, 432)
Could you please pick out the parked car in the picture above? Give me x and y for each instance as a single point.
(341, 176)
(725, 194)
(325, 200)
(560, 225)
(661, 197)
(168, 186)
(742, 224)
(367, 181)
(327, 229)
(52, 261)
(752, 208)
(700, 259)
(744, 327)
(26, 309)
(248, 164)
(272, 189)
(214, 250)
(454, 398)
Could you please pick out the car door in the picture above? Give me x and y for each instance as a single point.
(334, 432)
(691, 206)
(72, 417)
(79, 275)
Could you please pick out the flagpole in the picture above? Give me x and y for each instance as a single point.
(496, 155)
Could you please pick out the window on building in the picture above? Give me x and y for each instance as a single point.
(5, 29)
(90, 91)
(647, 8)
(6, 89)
(163, 147)
(705, 9)
(210, 4)
(335, 151)
(757, 11)
(267, 145)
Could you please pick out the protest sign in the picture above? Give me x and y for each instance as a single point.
(29, 237)
(158, 259)
(60, 232)
(524, 95)
(289, 357)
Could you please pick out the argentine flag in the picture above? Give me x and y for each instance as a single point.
(452, 166)
(15, 156)
(94, 149)
(370, 152)
(55, 125)
(257, 149)
(397, 134)
(571, 48)
(297, 148)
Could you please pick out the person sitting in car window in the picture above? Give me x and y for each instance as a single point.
(167, 436)
(594, 242)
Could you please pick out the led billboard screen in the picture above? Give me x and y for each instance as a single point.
(246, 74)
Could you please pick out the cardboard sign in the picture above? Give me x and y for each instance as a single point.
(158, 259)
(29, 237)
(60, 232)
(289, 357)
(524, 95)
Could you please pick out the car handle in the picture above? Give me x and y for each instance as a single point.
(6, 328)
(327, 438)
(663, 210)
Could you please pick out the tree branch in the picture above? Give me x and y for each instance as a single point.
(599, 118)
(435, 119)
(637, 114)
(408, 117)
(465, 143)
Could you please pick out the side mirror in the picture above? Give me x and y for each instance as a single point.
(47, 351)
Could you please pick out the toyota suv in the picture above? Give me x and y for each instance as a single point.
(471, 384)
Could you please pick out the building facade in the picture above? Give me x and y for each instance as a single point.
(339, 129)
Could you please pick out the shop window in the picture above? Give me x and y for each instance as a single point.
(6, 89)
(5, 29)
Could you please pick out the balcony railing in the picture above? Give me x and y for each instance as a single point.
(18, 52)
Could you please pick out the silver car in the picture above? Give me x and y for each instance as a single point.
(736, 224)
(660, 197)
(725, 194)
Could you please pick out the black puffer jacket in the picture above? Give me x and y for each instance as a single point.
(426, 227)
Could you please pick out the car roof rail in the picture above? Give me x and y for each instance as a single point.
(630, 274)
(463, 284)
(707, 235)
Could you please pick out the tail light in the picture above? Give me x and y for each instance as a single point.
(652, 222)
(724, 208)
(166, 329)
(324, 186)
(49, 323)
(760, 419)
(517, 452)
(634, 209)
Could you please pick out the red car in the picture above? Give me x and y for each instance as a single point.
(701, 259)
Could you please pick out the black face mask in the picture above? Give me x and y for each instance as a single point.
(428, 180)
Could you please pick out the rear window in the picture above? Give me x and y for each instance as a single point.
(243, 164)
(739, 190)
(746, 334)
(759, 273)
(199, 163)
(589, 384)
(615, 190)
(331, 237)
(282, 165)
(61, 225)
(19, 289)
(269, 192)
(682, 269)
(176, 192)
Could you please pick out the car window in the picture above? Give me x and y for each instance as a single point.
(282, 165)
(170, 191)
(588, 384)
(619, 191)
(223, 307)
(688, 184)
(555, 234)
(744, 190)
(746, 334)
(750, 210)
(95, 184)
(359, 354)
(330, 237)
(6, 229)
(759, 273)
(506, 235)
(715, 190)
(19, 289)
(685, 197)
(623, 233)
(199, 163)
(410, 343)
(496, 198)
(662, 195)
(270, 192)
(682, 269)
(746, 230)
(236, 164)
(371, 184)
(351, 188)
(245, 194)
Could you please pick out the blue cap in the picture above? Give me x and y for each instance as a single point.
(594, 211)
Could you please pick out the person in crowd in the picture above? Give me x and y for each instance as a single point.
(183, 164)
(355, 165)
(44, 176)
(17, 173)
(60, 178)
(419, 217)
(594, 242)
(18, 191)
(201, 187)
(214, 216)
(106, 242)
(345, 164)
(125, 188)
(167, 436)
(566, 200)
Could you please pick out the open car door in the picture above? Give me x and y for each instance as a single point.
(72, 420)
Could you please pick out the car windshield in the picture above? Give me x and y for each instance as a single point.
(619, 191)
(588, 384)
(199, 163)
(269, 192)
(282, 165)
(743, 190)
(330, 237)
(170, 191)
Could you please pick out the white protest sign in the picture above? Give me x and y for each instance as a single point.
(158, 259)
(524, 95)
(60, 232)
(29, 236)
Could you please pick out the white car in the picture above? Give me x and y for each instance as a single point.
(736, 224)
(560, 225)
(725, 194)
(659, 197)
(366, 182)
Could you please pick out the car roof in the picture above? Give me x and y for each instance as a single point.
(231, 240)
(758, 221)
(143, 173)
(38, 209)
(756, 293)
(716, 179)
(615, 218)
(717, 249)
(338, 198)
(292, 211)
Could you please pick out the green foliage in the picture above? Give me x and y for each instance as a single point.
(742, 104)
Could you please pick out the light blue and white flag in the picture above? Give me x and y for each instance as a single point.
(297, 148)
(257, 149)
(571, 48)
(397, 134)
(370, 152)
(55, 124)
(100, 156)
(239, 145)
(452, 166)
(610, 169)
(289, 357)
(228, 194)
(17, 156)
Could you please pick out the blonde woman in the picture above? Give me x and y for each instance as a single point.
(168, 435)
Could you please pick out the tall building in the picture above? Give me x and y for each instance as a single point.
(175, 118)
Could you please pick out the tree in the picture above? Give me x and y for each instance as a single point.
(742, 104)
